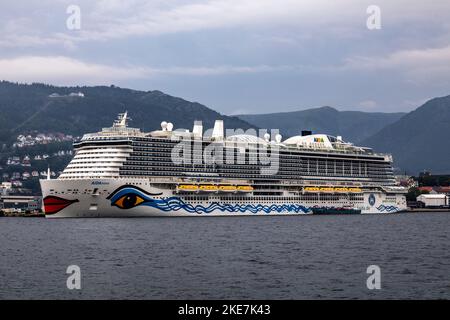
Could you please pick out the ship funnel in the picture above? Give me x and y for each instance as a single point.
(197, 131)
(217, 133)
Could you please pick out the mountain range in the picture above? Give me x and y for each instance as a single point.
(49, 108)
(354, 126)
(418, 140)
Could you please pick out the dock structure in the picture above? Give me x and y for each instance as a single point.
(20, 205)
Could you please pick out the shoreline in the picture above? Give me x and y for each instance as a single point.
(42, 215)
(428, 210)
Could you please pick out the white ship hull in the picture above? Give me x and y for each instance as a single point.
(127, 197)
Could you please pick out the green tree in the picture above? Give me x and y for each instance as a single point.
(413, 193)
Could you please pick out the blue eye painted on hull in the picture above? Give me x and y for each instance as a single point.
(128, 197)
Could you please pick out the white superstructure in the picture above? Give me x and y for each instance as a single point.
(122, 171)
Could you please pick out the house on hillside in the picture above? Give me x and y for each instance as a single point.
(77, 94)
(426, 189)
(445, 190)
(435, 190)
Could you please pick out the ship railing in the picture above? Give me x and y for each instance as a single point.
(350, 150)
(299, 183)
(177, 180)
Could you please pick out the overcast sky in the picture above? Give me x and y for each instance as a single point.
(237, 56)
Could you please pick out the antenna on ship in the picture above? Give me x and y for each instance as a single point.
(122, 120)
(48, 173)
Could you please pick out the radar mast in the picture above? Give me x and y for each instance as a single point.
(122, 120)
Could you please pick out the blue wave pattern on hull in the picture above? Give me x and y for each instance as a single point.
(176, 204)
(383, 208)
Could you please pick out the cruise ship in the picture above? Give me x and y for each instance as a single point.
(125, 172)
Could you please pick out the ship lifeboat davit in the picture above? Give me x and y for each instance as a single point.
(332, 190)
(188, 187)
(245, 188)
(342, 189)
(312, 189)
(227, 188)
(208, 188)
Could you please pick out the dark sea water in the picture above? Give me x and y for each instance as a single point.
(303, 257)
